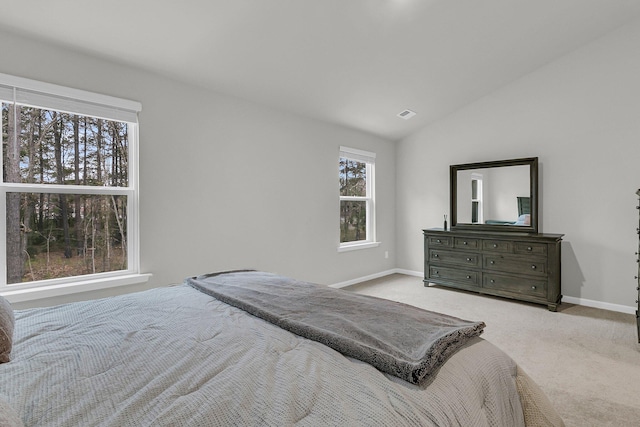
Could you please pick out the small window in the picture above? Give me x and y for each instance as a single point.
(357, 208)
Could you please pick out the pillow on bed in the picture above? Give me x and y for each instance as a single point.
(524, 219)
(7, 320)
(8, 416)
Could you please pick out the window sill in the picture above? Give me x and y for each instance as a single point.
(357, 246)
(40, 292)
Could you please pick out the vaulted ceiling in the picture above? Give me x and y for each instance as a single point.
(357, 63)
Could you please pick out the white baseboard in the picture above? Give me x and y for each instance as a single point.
(362, 279)
(571, 300)
(409, 272)
(599, 304)
(376, 276)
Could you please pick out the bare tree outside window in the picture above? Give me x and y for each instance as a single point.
(54, 235)
(353, 212)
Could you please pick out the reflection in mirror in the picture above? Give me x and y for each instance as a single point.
(500, 195)
(497, 196)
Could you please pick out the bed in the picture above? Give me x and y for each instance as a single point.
(177, 356)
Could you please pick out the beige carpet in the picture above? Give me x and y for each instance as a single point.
(586, 360)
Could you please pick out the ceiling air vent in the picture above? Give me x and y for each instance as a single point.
(406, 114)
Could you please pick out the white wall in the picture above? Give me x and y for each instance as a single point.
(226, 183)
(581, 116)
(507, 184)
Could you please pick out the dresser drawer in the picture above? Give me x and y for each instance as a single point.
(435, 242)
(529, 266)
(453, 257)
(501, 246)
(533, 287)
(463, 277)
(530, 248)
(465, 243)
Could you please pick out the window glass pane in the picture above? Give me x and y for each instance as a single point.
(61, 148)
(475, 207)
(51, 236)
(353, 178)
(474, 189)
(353, 221)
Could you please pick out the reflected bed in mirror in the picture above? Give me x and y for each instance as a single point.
(495, 196)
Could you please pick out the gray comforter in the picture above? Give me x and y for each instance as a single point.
(177, 357)
(396, 338)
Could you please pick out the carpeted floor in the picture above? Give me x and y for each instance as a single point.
(586, 360)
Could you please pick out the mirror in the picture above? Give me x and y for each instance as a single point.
(495, 196)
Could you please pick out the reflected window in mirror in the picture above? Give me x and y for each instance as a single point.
(476, 198)
(499, 195)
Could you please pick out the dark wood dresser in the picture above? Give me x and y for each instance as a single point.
(520, 266)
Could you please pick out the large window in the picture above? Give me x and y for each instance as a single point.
(68, 192)
(357, 207)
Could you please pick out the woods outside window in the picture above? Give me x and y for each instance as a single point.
(69, 192)
(357, 208)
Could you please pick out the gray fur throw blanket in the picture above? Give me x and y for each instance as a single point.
(398, 339)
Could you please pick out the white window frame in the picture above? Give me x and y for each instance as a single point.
(369, 158)
(45, 95)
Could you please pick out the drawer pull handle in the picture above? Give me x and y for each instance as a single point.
(435, 255)
(533, 267)
(468, 259)
(529, 248)
(436, 272)
(464, 243)
(438, 241)
(495, 245)
(492, 281)
(468, 277)
(533, 288)
(492, 262)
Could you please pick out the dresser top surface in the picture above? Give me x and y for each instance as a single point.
(495, 234)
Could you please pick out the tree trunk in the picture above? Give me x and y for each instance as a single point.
(60, 179)
(34, 134)
(99, 220)
(123, 236)
(77, 199)
(15, 264)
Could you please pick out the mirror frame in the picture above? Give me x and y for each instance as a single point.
(532, 162)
